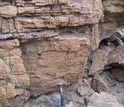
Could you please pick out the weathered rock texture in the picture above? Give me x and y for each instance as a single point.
(50, 61)
(114, 15)
(14, 79)
(34, 15)
(54, 37)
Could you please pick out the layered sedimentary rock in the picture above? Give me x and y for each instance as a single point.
(14, 79)
(33, 15)
(49, 62)
(54, 38)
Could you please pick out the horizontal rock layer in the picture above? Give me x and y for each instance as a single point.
(35, 15)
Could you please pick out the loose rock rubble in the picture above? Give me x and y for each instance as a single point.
(103, 100)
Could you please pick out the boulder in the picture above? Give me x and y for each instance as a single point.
(99, 60)
(103, 100)
(84, 91)
(98, 84)
(116, 57)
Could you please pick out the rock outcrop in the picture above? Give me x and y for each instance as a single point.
(14, 79)
(49, 62)
(36, 15)
(42, 43)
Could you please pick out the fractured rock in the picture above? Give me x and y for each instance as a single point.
(4, 69)
(116, 57)
(63, 13)
(45, 61)
(99, 61)
(85, 91)
(98, 84)
(14, 79)
(9, 44)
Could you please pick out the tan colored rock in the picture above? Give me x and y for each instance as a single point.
(99, 85)
(4, 25)
(58, 16)
(64, 1)
(48, 61)
(4, 69)
(70, 13)
(25, 24)
(9, 44)
(99, 61)
(7, 27)
(3, 53)
(19, 2)
(18, 68)
(2, 83)
(10, 90)
(60, 58)
(15, 51)
(2, 93)
(26, 10)
(8, 11)
(97, 11)
(50, 2)
(21, 80)
(14, 79)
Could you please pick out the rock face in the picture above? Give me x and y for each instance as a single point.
(43, 42)
(35, 15)
(14, 80)
(54, 43)
(50, 61)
